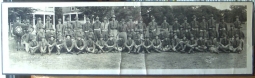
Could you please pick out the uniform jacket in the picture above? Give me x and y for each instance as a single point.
(130, 25)
(90, 43)
(48, 25)
(237, 24)
(104, 26)
(33, 44)
(139, 27)
(96, 25)
(165, 25)
(122, 27)
(113, 25)
(87, 27)
(40, 35)
(129, 42)
(156, 42)
(147, 42)
(68, 25)
(77, 25)
(100, 42)
(194, 24)
(52, 42)
(39, 26)
(176, 26)
(79, 43)
(60, 28)
(186, 25)
(235, 43)
(203, 25)
(224, 42)
(69, 43)
(222, 25)
(111, 42)
(201, 42)
(211, 23)
(212, 42)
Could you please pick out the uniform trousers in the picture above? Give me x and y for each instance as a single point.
(105, 35)
(114, 32)
(123, 35)
(97, 33)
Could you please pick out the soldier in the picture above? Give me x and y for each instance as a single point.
(129, 43)
(213, 33)
(153, 28)
(49, 33)
(204, 34)
(165, 26)
(59, 44)
(70, 33)
(104, 28)
(237, 23)
(51, 43)
(235, 45)
(48, 24)
(68, 44)
(90, 45)
(68, 26)
(166, 43)
(203, 26)
(96, 28)
(195, 32)
(40, 35)
(39, 25)
(212, 44)
(86, 28)
(138, 43)
(77, 25)
(111, 44)
(175, 42)
(18, 32)
(191, 45)
(224, 31)
(183, 43)
(187, 34)
(26, 26)
(100, 44)
(43, 45)
(224, 44)
(231, 33)
(60, 27)
(78, 33)
(211, 23)
(146, 43)
(194, 23)
(113, 25)
(222, 25)
(33, 45)
(26, 38)
(163, 35)
(201, 44)
(122, 30)
(157, 44)
(185, 24)
(176, 25)
(139, 27)
(120, 44)
(240, 34)
(130, 25)
(79, 44)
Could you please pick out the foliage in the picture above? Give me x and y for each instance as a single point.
(23, 13)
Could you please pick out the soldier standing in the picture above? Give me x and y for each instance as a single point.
(51, 43)
(222, 25)
(194, 23)
(43, 45)
(129, 43)
(100, 44)
(60, 28)
(153, 28)
(130, 25)
(212, 44)
(87, 28)
(139, 28)
(68, 26)
(185, 24)
(96, 28)
(224, 44)
(176, 25)
(157, 44)
(68, 44)
(39, 25)
(123, 29)
(17, 31)
(138, 43)
(79, 44)
(204, 27)
(77, 25)
(90, 45)
(111, 44)
(33, 45)
(231, 33)
(237, 23)
(104, 28)
(201, 44)
(212, 23)
(113, 25)
(48, 24)
(165, 26)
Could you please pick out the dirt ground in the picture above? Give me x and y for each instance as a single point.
(164, 60)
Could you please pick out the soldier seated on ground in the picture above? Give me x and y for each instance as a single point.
(59, 44)
(33, 46)
(43, 46)
(138, 43)
(235, 45)
(100, 44)
(129, 44)
(157, 44)
(166, 44)
(90, 45)
(175, 43)
(212, 45)
(146, 44)
(68, 44)
(183, 43)
(26, 38)
(120, 44)
(201, 46)
(224, 44)
(79, 44)
(190, 46)
(51, 43)
(110, 44)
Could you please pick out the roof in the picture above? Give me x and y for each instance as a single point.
(42, 13)
(72, 13)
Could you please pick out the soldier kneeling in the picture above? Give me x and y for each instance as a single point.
(110, 44)
(236, 45)
(79, 44)
(51, 43)
(147, 44)
(33, 46)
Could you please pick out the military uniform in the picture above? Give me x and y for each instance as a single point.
(139, 28)
(78, 33)
(104, 29)
(68, 44)
(232, 32)
(211, 22)
(33, 46)
(86, 28)
(79, 43)
(166, 44)
(157, 44)
(39, 25)
(60, 28)
(122, 29)
(195, 32)
(175, 42)
(153, 28)
(240, 33)
(204, 34)
(96, 28)
(51, 43)
(110, 44)
(187, 34)
(185, 24)
(224, 44)
(180, 34)
(165, 25)
(201, 44)
(238, 23)
(59, 44)
(90, 45)
(26, 38)
(130, 25)
(147, 44)
(236, 45)
(203, 27)
(100, 44)
(48, 25)
(194, 23)
(26, 26)
(213, 33)
(120, 44)
(68, 26)
(176, 25)
(138, 43)
(49, 33)
(212, 44)
(77, 25)
(222, 25)
(43, 45)
(129, 43)
(223, 32)
(191, 44)
(40, 35)
(113, 25)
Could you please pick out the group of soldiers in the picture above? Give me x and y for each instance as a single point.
(115, 36)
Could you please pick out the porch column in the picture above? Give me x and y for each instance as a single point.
(84, 16)
(44, 19)
(70, 16)
(34, 21)
(54, 22)
(63, 19)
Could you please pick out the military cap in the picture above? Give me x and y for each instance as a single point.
(194, 16)
(68, 35)
(90, 36)
(203, 17)
(185, 18)
(130, 17)
(52, 36)
(39, 18)
(113, 16)
(97, 17)
(141, 19)
(237, 16)
(164, 18)
(87, 18)
(76, 17)
(48, 18)
(59, 19)
(211, 15)
(111, 35)
(129, 35)
(105, 18)
(175, 19)
(152, 17)
(122, 20)
(17, 18)
(236, 35)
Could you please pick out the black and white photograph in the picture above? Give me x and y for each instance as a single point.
(125, 38)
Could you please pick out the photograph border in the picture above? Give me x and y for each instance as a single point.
(247, 70)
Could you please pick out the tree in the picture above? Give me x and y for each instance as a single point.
(239, 10)
(92, 12)
(23, 13)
